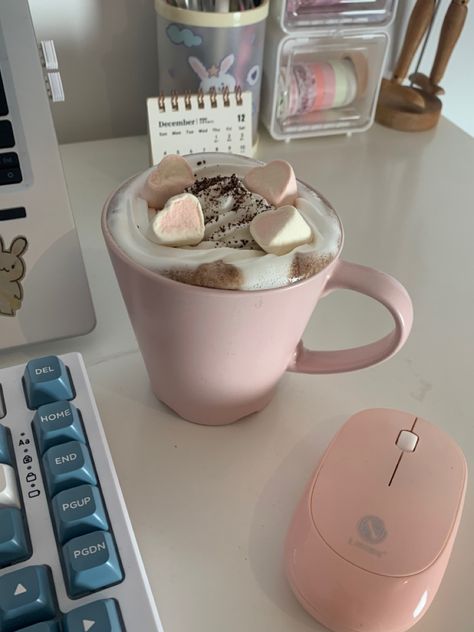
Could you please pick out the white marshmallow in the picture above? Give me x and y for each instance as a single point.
(278, 232)
(275, 181)
(170, 177)
(180, 223)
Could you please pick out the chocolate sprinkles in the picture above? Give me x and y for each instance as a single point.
(228, 208)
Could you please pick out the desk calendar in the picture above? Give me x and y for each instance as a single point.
(191, 123)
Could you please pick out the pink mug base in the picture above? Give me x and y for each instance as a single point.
(215, 415)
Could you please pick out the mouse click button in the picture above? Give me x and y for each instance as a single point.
(407, 441)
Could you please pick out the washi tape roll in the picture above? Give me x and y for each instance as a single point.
(345, 82)
(319, 85)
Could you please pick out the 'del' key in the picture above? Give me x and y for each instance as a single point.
(46, 380)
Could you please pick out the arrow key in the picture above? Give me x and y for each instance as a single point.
(98, 616)
(26, 597)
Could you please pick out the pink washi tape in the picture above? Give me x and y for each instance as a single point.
(320, 85)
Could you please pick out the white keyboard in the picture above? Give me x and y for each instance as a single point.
(69, 561)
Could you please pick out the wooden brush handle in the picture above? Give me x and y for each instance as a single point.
(450, 32)
(417, 26)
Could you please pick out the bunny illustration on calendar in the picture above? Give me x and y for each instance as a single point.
(215, 77)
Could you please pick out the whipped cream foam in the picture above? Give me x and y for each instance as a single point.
(228, 208)
(228, 257)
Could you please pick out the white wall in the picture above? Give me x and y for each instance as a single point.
(107, 55)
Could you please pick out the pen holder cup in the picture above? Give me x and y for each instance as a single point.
(201, 50)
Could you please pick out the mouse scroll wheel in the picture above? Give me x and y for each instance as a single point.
(407, 441)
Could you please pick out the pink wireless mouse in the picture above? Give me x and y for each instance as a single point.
(371, 537)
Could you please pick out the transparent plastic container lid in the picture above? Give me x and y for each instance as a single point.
(328, 84)
(306, 13)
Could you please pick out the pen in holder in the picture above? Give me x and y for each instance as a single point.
(205, 50)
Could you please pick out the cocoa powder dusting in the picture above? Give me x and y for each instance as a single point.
(305, 265)
(218, 275)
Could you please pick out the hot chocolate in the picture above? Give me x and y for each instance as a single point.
(224, 223)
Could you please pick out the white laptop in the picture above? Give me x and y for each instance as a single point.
(44, 292)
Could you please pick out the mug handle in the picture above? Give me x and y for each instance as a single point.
(383, 288)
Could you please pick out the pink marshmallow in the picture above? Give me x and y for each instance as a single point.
(278, 232)
(275, 182)
(171, 176)
(180, 223)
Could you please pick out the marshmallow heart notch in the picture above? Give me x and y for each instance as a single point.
(278, 232)
(170, 177)
(180, 223)
(275, 182)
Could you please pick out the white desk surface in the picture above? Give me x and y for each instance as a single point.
(211, 506)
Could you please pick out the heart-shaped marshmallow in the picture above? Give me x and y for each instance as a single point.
(279, 231)
(171, 176)
(180, 223)
(275, 182)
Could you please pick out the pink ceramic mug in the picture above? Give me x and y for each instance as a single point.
(214, 355)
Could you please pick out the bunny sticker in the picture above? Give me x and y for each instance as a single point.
(12, 271)
(216, 76)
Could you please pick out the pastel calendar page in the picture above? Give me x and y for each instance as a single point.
(200, 123)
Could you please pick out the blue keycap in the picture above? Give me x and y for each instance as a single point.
(5, 449)
(77, 511)
(14, 545)
(102, 615)
(68, 465)
(26, 597)
(91, 563)
(46, 380)
(57, 423)
(44, 626)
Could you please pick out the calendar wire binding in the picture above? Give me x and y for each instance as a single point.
(186, 99)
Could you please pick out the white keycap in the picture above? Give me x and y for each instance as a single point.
(9, 496)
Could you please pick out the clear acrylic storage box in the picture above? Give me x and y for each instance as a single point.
(322, 83)
(294, 15)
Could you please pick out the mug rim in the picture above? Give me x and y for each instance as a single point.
(153, 274)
